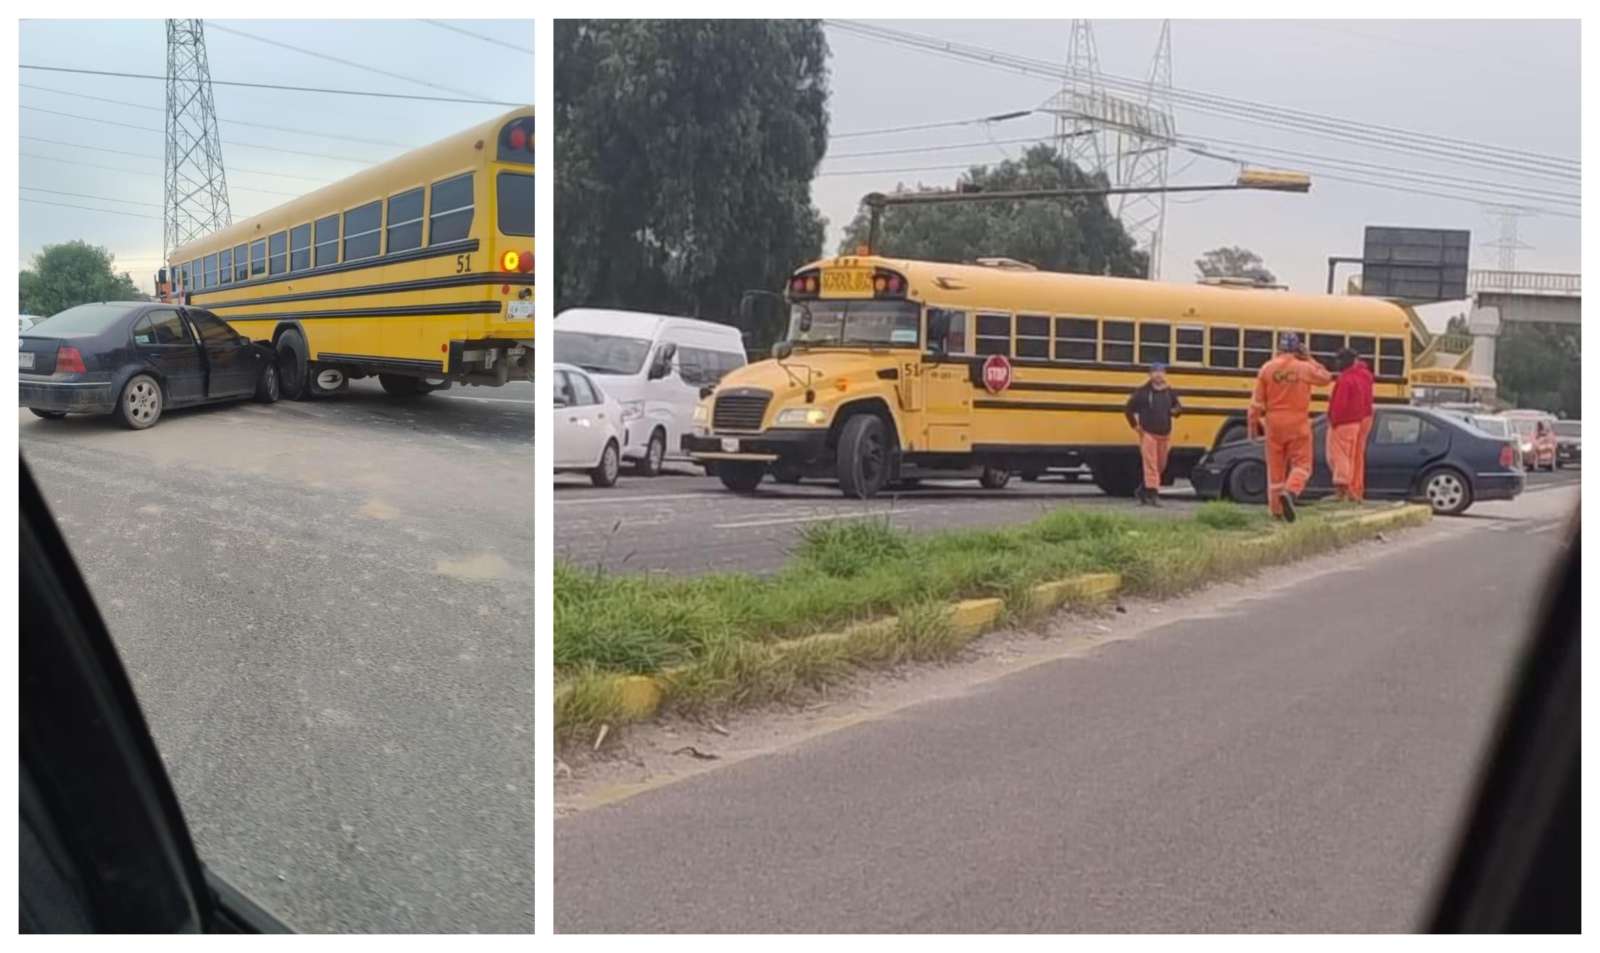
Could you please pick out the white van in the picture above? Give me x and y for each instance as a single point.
(654, 365)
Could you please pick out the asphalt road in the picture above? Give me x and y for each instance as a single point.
(685, 522)
(1295, 762)
(326, 609)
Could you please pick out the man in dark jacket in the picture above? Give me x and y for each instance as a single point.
(1150, 411)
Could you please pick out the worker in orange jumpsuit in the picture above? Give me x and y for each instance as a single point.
(1281, 408)
(1349, 422)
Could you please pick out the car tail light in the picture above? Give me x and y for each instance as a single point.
(69, 361)
(1508, 455)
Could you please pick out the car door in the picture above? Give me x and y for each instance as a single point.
(164, 342)
(230, 360)
(593, 424)
(576, 440)
(1401, 445)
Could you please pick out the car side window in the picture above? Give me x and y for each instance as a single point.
(564, 395)
(1398, 429)
(166, 327)
(695, 366)
(583, 394)
(143, 331)
(211, 329)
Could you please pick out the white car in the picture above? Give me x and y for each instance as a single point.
(590, 433)
(655, 365)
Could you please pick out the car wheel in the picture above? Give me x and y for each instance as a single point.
(292, 365)
(267, 387)
(1247, 482)
(47, 414)
(1447, 491)
(655, 454)
(605, 474)
(863, 456)
(398, 385)
(740, 476)
(994, 478)
(139, 407)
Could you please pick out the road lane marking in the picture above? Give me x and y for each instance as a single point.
(632, 499)
(491, 400)
(779, 521)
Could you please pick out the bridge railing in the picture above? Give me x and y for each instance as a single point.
(1527, 282)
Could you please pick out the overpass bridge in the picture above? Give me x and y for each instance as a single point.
(1499, 297)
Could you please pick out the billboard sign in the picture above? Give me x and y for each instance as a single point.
(1416, 264)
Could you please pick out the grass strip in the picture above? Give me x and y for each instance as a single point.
(882, 596)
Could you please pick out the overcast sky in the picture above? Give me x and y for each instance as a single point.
(411, 48)
(1512, 84)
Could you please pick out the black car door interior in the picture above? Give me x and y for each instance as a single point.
(103, 844)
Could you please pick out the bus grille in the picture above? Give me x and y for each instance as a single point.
(740, 410)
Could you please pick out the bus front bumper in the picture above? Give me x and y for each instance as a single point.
(799, 447)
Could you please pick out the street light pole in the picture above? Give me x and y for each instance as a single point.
(1254, 180)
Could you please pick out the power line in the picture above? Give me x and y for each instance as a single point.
(936, 148)
(126, 171)
(998, 117)
(335, 59)
(280, 87)
(231, 142)
(231, 122)
(86, 208)
(81, 195)
(479, 36)
(1371, 134)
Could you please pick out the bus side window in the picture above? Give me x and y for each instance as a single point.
(956, 340)
(278, 253)
(450, 210)
(1077, 339)
(1033, 337)
(300, 248)
(1116, 342)
(1257, 348)
(1325, 348)
(258, 258)
(994, 334)
(327, 241)
(1190, 345)
(225, 266)
(1224, 347)
(241, 264)
(1366, 348)
(1155, 343)
(1392, 357)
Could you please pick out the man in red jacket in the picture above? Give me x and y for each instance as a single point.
(1349, 422)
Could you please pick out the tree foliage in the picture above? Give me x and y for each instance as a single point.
(1231, 261)
(1077, 234)
(1537, 366)
(684, 156)
(70, 274)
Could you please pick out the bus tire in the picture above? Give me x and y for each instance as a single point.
(863, 456)
(994, 478)
(292, 365)
(788, 474)
(1247, 482)
(396, 385)
(741, 476)
(1117, 474)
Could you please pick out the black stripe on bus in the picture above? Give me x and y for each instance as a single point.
(360, 264)
(460, 307)
(396, 363)
(975, 365)
(1182, 393)
(1121, 409)
(417, 284)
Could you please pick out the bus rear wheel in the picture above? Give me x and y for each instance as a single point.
(396, 385)
(292, 365)
(1117, 474)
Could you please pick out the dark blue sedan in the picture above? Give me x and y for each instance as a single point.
(1413, 453)
(136, 359)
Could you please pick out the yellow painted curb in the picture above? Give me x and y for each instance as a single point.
(969, 617)
(1089, 587)
(639, 696)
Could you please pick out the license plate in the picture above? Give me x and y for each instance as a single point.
(730, 445)
(847, 283)
(520, 309)
(25, 360)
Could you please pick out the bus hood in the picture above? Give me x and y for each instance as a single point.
(830, 373)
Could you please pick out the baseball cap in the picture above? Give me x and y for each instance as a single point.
(1157, 366)
(1288, 341)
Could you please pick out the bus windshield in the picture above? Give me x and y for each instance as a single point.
(601, 353)
(873, 323)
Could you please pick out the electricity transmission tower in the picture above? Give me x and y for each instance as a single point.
(196, 200)
(1127, 140)
(1508, 243)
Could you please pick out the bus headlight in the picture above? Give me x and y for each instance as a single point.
(801, 417)
(701, 413)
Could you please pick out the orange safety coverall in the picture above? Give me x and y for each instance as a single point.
(1358, 473)
(1282, 402)
(1342, 451)
(1153, 451)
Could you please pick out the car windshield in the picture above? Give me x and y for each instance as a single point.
(873, 323)
(601, 353)
(86, 320)
(1569, 428)
(1524, 426)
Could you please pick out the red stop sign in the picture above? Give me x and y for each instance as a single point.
(996, 373)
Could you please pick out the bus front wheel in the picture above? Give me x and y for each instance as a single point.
(863, 456)
(740, 476)
(292, 365)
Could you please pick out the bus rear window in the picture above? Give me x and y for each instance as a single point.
(514, 199)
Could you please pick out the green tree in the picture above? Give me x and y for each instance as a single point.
(1231, 261)
(684, 156)
(1077, 234)
(71, 274)
(1537, 366)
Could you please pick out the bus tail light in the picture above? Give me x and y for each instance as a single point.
(69, 360)
(510, 261)
(525, 261)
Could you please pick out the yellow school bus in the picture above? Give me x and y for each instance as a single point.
(893, 369)
(1448, 385)
(418, 270)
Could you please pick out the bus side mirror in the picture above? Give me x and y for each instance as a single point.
(938, 330)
